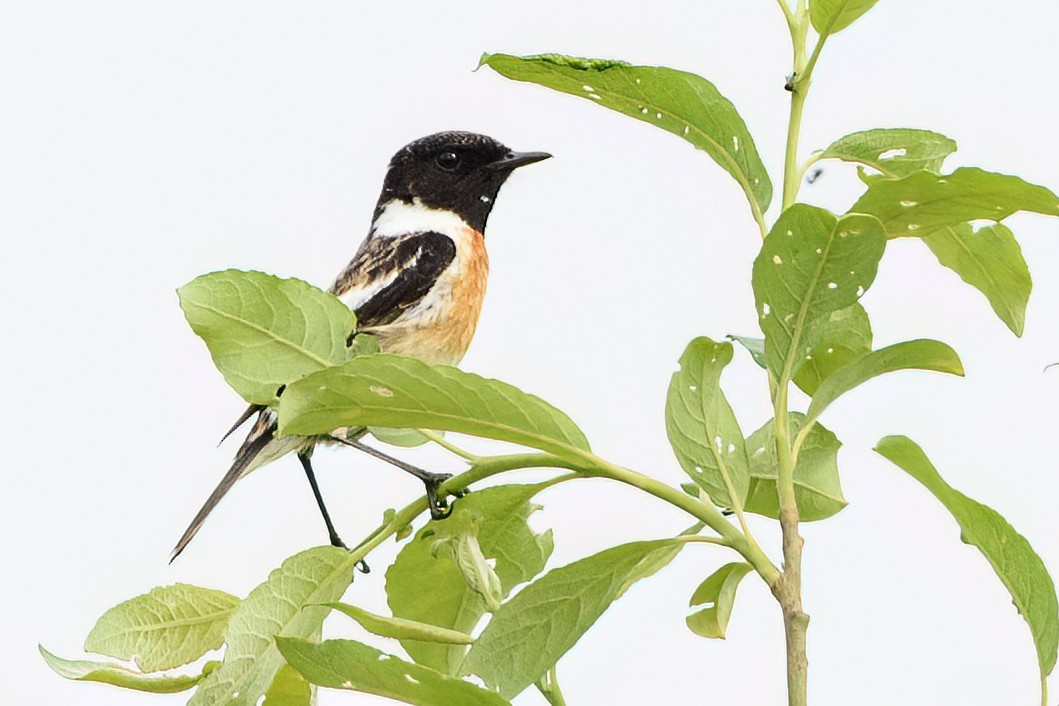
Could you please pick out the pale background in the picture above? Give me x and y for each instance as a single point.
(144, 143)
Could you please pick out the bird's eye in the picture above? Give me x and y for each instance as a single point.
(448, 160)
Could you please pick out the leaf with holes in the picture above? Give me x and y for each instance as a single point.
(1019, 568)
(921, 203)
(811, 265)
(841, 337)
(263, 331)
(831, 16)
(118, 675)
(921, 354)
(168, 627)
(530, 632)
(388, 390)
(682, 103)
(287, 604)
(894, 152)
(427, 587)
(990, 260)
(817, 489)
(702, 427)
(717, 592)
(346, 664)
(754, 346)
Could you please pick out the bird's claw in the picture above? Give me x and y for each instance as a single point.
(439, 505)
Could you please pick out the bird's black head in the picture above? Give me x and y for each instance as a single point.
(455, 171)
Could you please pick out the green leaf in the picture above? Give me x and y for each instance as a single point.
(718, 593)
(426, 586)
(921, 354)
(263, 331)
(895, 152)
(754, 346)
(831, 16)
(811, 265)
(168, 627)
(682, 103)
(346, 664)
(841, 337)
(288, 604)
(1011, 556)
(530, 632)
(289, 689)
(397, 391)
(990, 260)
(404, 438)
(817, 489)
(921, 203)
(702, 427)
(117, 675)
(400, 628)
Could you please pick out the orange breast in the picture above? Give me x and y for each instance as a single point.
(439, 329)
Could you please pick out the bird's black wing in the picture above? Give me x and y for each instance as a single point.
(393, 274)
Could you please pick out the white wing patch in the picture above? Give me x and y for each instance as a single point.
(357, 296)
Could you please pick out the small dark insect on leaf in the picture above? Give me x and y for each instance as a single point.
(789, 84)
(814, 175)
(280, 389)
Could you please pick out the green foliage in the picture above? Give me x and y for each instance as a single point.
(268, 334)
(816, 483)
(676, 101)
(1011, 556)
(702, 428)
(922, 202)
(840, 338)
(118, 675)
(811, 265)
(535, 628)
(263, 331)
(427, 586)
(395, 391)
(289, 688)
(288, 605)
(893, 152)
(922, 354)
(717, 593)
(346, 664)
(990, 260)
(166, 628)
(830, 16)
(401, 629)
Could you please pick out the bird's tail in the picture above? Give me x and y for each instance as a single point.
(260, 447)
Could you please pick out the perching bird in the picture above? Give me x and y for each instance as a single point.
(416, 283)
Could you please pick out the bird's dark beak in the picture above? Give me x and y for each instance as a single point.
(514, 160)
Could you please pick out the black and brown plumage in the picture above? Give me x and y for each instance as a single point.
(416, 282)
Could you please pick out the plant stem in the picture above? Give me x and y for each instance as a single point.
(448, 445)
(788, 588)
(799, 86)
(711, 516)
(549, 688)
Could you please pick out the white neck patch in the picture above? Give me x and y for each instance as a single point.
(400, 218)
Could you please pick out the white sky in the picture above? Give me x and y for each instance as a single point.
(143, 143)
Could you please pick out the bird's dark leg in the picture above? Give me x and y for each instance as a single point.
(336, 541)
(438, 505)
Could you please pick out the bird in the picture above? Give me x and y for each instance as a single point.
(416, 283)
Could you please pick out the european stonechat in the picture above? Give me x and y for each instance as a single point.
(416, 283)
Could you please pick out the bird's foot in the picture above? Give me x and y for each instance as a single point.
(438, 503)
